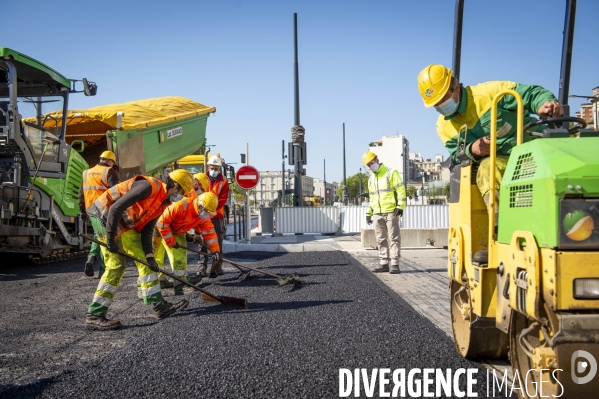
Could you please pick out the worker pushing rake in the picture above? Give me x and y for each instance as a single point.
(207, 296)
(281, 280)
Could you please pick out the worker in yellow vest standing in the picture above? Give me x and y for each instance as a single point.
(96, 180)
(125, 217)
(387, 202)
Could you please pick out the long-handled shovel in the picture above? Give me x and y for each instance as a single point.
(281, 280)
(226, 300)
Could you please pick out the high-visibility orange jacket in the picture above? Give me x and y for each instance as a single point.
(137, 215)
(220, 188)
(192, 195)
(96, 180)
(181, 216)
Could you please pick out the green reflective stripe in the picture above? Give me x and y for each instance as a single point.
(147, 279)
(102, 301)
(97, 309)
(103, 286)
(152, 299)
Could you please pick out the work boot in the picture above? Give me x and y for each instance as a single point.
(179, 288)
(101, 323)
(100, 272)
(481, 258)
(394, 269)
(166, 284)
(381, 269)
(164, 309)
(140, 294)
(203, 271)
(89, 265)
(196, 279)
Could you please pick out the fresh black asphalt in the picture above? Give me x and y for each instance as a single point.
(289, 342)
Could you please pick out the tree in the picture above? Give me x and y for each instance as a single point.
(412, 191)
(353, 186)
(238, 193)
(447, 190)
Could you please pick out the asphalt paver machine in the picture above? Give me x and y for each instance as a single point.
(40, 174)
(536, 298)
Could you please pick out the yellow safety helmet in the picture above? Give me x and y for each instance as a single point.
(203, 179)
(367, 157)
(182, 178)
(108, 155)
(433, 83)
(209, 201)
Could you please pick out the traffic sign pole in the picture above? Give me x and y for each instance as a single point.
(247, 177)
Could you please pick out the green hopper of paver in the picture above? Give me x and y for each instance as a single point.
(146, 135)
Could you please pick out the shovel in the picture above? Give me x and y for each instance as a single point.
(281, 280)
(225, 300)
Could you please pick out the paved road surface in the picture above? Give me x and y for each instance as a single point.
(288, 343)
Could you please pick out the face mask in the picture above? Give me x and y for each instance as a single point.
(214, 174)
(204, 214)
(447, 107)
(374, 167)
(175, 198)
(199, 191)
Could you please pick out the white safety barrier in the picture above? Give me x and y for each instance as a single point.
(352, 219)
(307, 219)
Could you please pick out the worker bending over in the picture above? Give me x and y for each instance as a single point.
(176, 220)
(125, 218)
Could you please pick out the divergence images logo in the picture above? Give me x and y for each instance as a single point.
(580, 366)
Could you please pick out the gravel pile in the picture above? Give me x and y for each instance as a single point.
(289, 342)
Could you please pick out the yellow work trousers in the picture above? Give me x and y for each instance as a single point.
(483, 178)
(129, 242)
(176, 256)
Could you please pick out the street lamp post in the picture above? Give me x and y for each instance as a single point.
(360, 188)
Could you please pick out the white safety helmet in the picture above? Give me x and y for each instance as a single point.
(215, 160)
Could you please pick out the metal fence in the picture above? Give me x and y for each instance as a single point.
(307, 219)
(351, 219)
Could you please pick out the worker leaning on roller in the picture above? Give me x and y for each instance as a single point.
(125, 217)
(96, 180)
(176, 220)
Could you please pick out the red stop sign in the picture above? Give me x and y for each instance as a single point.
(247, 177)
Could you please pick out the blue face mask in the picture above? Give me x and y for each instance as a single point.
(213, 174)
(176, 198)
(204, 214)
(447, 107)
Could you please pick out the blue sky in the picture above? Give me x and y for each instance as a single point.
(358, 62)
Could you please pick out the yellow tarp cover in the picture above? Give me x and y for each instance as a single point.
(137, 115)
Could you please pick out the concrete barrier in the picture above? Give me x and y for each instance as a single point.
(410, 238)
